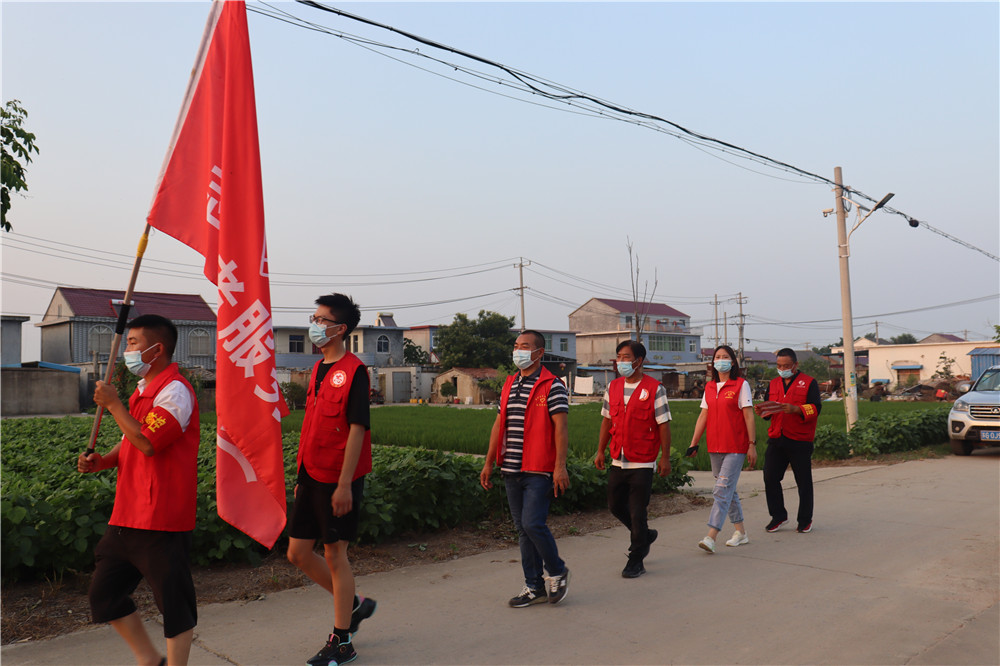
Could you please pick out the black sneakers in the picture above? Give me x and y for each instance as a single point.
(528, 597)
(775, 524)
(364, 610)
(334, 653)
(634, 568)
(804, 527)
(558, 586)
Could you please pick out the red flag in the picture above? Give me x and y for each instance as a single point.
(209, 196)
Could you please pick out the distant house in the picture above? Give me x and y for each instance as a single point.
(902, 365)
(468, 389)
(10, 339)
(941, 337)
(601, 323)
(424, 337)
(380, 347)
(79, 324)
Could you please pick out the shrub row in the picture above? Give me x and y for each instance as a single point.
(51, 516)
(884, 433)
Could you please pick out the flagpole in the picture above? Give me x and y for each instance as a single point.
(119, 330)
(206, 39)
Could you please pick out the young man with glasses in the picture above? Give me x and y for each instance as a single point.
(334, 456)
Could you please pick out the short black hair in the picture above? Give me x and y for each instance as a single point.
(734, 372)
(787, 351)
(637, 348)
(344, 310)
(539, 338)
(161, 328)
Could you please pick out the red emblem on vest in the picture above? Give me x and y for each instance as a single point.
(643, 394)
(339, 379)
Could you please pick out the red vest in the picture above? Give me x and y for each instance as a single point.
(325, 426)
(634, 426)
(727, 427)
(539, 453)
(802, 426)
(159, 492)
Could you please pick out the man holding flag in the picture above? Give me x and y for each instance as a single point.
(149, 533)
(209, 196)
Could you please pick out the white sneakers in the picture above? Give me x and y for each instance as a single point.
(739, 538)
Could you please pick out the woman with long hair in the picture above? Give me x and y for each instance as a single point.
(727, 415)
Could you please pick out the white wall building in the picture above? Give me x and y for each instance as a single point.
(897, 364)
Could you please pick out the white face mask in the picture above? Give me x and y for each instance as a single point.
(785, 374)
(625, 368)
(522, 358)
(135, 364)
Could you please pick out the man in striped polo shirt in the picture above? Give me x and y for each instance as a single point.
(530, 442)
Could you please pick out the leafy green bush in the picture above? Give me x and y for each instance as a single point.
(831, 443)
(295, 394)
(903, 431)
(51, 516)
(884, 432)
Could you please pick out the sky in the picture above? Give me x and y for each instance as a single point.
(419, 194)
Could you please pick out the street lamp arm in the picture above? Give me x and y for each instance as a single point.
(881, 203)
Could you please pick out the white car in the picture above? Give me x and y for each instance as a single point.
(974, 419)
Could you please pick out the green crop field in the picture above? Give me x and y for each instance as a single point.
(468, 430)
(465, 430)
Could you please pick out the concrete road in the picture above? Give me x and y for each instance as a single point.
(902, 568)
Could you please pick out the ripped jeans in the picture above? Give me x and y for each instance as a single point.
(726, 469)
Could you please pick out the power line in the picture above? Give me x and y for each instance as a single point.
(592, 105)
(969, 301)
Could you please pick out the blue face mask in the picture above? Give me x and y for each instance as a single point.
(522, 358)
(135, 364)
(785, 374)
(317, 334)
(723, 365)
(625, 368)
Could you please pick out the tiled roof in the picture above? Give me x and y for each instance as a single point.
(176, 307)
(943, 337)
(653, 309)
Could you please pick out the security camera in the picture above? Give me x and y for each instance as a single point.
(827, 212)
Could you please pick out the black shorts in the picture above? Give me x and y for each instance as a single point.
(312, 513)
(124, 556)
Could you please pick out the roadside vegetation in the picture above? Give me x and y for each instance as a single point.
(426, 476)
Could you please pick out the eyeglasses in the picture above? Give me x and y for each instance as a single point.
(314, 319)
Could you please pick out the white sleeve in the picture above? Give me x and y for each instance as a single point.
(176, 399)
(746, 397)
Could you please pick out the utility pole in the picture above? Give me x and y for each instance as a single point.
(715, 302)
(520, 270)
(725, 327)
(876, 331)
(843, 252)
(741, 301)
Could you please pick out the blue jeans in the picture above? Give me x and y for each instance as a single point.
(528, 496)
(726, 469)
